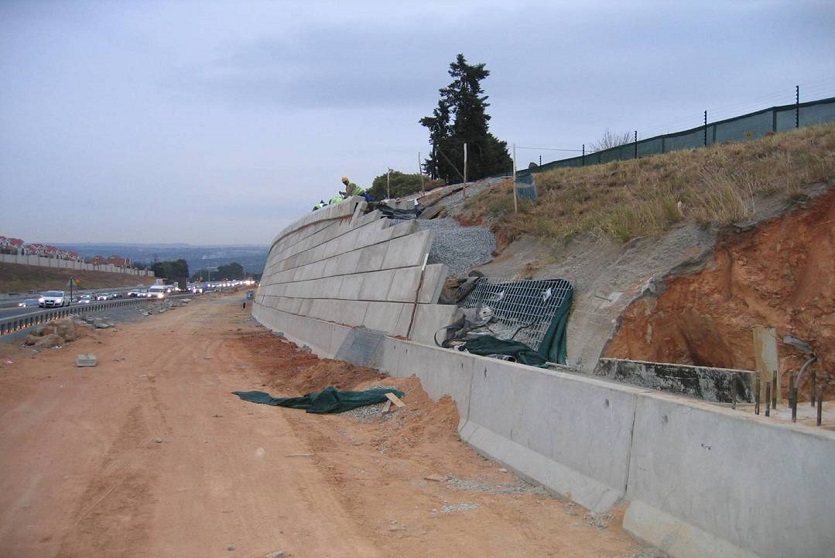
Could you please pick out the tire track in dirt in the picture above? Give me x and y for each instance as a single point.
(113, 512)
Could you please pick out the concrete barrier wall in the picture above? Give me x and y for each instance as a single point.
(706, 481)
(697, 479)
(41, 261)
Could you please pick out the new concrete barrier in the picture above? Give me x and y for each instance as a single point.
(707, 481)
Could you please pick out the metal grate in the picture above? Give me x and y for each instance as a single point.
(523, 309)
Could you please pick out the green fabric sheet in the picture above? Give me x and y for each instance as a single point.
(487, 345)
(329, 400)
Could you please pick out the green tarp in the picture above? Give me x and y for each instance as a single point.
(487, 345)
(329, 400)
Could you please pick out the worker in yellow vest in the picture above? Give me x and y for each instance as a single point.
(351, 189)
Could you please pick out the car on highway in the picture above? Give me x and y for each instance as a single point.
(85, 299)
(53, 299)
(28, 302)
(157, 291)
(104, 296)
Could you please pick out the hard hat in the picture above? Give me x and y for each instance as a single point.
(345, 180)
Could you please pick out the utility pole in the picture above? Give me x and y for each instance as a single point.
(797, 106)
(420, 172)
(464, 191)
(388, 184)
(515, 203)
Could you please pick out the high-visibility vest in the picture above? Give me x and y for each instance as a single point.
(336, 199)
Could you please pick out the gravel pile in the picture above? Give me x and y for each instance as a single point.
(516, 487)
(460, 248)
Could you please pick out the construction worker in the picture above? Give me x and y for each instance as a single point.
(319, 205)
(351, 189)
(336, 199)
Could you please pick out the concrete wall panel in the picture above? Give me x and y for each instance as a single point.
(441, 374)
(549, 413)
(429, 318)
(434, 277)
(747, 481)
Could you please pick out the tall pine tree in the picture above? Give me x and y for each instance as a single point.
(459, 119)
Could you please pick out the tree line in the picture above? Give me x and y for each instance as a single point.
(177, 270)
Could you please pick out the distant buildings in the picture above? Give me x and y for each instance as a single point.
(18, 247)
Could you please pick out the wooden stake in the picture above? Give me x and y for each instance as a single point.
(396, 400)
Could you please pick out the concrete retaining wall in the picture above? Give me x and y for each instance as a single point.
(347, 267)
(696, 479)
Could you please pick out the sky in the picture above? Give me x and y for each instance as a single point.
(134, 121)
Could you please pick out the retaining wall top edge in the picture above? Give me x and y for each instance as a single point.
(672, 364)
(762, 420)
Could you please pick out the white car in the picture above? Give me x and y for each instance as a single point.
(157, 291)
(53, 299)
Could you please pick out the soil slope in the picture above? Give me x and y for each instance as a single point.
(779, 274)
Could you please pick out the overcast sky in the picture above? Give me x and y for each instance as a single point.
(222, 122)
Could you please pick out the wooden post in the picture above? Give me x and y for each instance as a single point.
(765, 358)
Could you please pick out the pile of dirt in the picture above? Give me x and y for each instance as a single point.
(54, 334)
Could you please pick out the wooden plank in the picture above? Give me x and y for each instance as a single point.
(396, 400)
(765, 357)
(387, 407)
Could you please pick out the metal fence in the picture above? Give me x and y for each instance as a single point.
(523, 310)
(740, 128)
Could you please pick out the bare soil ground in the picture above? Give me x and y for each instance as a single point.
(149, 454)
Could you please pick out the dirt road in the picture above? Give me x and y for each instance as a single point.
(150, 455)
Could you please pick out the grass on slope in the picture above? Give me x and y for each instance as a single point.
(25, 278)
(623, 200)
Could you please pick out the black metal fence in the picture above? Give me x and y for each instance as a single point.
(740, 128)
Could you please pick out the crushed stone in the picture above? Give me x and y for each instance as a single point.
(518, 486)
(460, 248)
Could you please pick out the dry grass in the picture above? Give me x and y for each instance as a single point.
(623, 200)
(23, 278)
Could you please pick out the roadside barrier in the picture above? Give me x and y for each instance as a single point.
(25, 321)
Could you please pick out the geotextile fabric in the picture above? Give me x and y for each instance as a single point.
(329, 400)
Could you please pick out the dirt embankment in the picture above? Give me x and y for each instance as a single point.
(780, 274)
(25, 278)
(149, 454)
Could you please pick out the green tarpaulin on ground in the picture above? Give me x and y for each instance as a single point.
(329, 400)
(487, 345)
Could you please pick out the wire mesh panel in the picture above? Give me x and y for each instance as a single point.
(523, 310)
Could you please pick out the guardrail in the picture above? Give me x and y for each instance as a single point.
(24, 321)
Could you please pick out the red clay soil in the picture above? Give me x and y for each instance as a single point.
(150, 454)
(780, 275)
